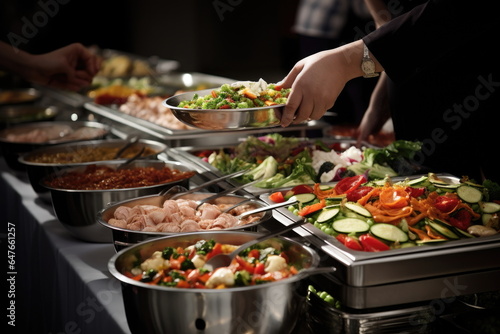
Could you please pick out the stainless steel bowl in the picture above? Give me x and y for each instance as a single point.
(123, 238)
(19, 96)
(265, 308)
(12, 150)
(223, 119)
(37, 171)
(77, 209)
(19, 114)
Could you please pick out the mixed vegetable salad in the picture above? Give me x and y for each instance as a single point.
(239, 95)
(280, 161)
(382, 215)
(183, 267)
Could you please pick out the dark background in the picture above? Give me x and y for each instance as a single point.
(236, 39)
(240, 39)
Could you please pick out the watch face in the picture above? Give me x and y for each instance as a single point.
(368, 66)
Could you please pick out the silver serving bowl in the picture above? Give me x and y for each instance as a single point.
(12, 150)
(38, 170)
(76, 209)
(123, 237)
(223, 119)
(19, 114)
(265, 308)
(19, 96)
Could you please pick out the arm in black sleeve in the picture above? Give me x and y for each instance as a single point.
(415, 41)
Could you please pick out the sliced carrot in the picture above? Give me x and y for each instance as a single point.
(412, 220)
(312, 208)
(374, 192)
(270, 103)
(431, 233)
(394, 197)
(248, 93)
(421, 234)
(321, 194)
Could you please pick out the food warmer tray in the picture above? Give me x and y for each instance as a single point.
(193, 137)
(375, 281)
(186, 153)
(365, 269)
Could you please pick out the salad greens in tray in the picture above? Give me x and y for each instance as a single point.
(280, 162)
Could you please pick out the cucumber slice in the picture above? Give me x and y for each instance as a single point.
(328, 213)
(447, 185)
(325, 187)
(469, 194)
(350, 225)
(431, 241)
(359, 209)
(463, 234)
(417, 180)
(389, 232)
(444, 229)
(337, 198)
(485, 218)
(489, 207)
(305, 198)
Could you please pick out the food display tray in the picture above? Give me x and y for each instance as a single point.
(316, 132)
(194, 137)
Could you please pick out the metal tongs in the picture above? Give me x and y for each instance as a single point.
(177, 191)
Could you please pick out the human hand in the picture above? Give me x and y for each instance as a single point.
(71, 67)
(317, 81)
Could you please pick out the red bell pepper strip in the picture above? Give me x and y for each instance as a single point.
(216, 250)
(349, 184)
(349, 242)
(372, 244)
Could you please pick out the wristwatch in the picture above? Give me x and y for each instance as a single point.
(367, 64)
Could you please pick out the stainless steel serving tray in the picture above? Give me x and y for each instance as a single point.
(367, 269)
(194, 137)
(186, 153)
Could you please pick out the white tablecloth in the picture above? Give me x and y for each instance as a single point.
(58, 283)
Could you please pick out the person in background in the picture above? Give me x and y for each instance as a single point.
(445, 83)
(71, 67)
(326, 24)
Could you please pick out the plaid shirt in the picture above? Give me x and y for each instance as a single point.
(326, 18)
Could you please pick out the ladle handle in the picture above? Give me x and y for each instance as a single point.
(214, 181)
(267, 208)
(280, 230)
(225, 192)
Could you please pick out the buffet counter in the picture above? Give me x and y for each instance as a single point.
(59, 284)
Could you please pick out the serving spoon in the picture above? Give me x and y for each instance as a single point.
(176, 191)
(224, 260)
(128, 144)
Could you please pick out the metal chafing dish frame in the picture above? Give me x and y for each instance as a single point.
(195, 137)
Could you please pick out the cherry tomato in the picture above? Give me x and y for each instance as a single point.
(446, 203)
(277, 197)
(372, 244)
(356, 194)
(255, 253)
(349, 184)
